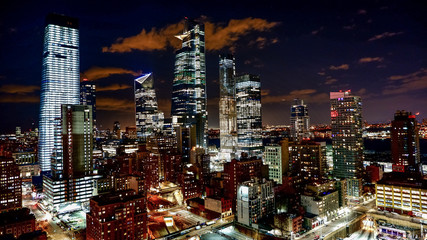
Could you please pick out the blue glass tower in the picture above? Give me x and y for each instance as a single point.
(60, 79)
(189, 84)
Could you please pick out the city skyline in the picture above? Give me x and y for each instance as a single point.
(329, 47)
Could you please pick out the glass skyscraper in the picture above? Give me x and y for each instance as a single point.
(88, 97)
(347, 141)
(60, 79)
(300, 121)
(227, 107)
(189, 85)
(249, 119)
(148, 118)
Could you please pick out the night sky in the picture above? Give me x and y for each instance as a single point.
(304, 49)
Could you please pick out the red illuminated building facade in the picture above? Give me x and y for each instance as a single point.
(118, 215)
(10, 184)
(405, 150)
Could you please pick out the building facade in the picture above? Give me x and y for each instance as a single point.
(255, 200)
(227, 107)
(300, 121)
(10, 184)
(249, 118)
(88, 97)
(277, 160)
(118, 215)
(405, 145)
(148, 117)
(60, 79)
(347, 141)
(189, 99)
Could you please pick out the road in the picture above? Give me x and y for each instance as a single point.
(45, 221)
(362, 235)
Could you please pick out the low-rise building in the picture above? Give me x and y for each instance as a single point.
(288, 222)
(255, 200)
(220, 205)
(17, 222)
(325, 204)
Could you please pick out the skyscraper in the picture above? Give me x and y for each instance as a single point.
(72, 172)
(148, 118)
(88, 97)
(347, 142)
(300, 121)
(227, 107)
(60, 78)
(249, 120)
(405, 146)
(189, 85)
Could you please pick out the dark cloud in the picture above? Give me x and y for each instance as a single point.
(371, 59)
(384, 35)
(340, 67)
(407, 83)
(113, 87)
(309, 95)
(18, 89)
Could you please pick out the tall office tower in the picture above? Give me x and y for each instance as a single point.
(227, 107)
(148, 118)
(248, 109)
(10, 184)
(88, 97)
(72, 173)
(60, 79)
(189, 85)
(347, 142)
(405, 145)
(300, 121)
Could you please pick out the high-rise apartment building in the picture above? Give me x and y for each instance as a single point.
(347, 142)
(60, 79)
(227, 107)
(277, 158)
(88, 97)
(300, 121)
(189, 99)
(148, 118)
(10, 184)
(72, 166)
(405, 145)
(249, 119)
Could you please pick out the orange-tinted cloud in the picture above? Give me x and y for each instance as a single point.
(384, 35)
(407, 83)
(95, 73)
(371, 59)
(14, 98)
(164, 105)
(113, 87)
(309, 95)
(217, 36)
(340, 67)
(114, 104)
(148, 41)
(18, 89)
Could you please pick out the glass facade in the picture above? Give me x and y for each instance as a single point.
(249, 120)
(148, 118)
(300, 121)
(347, 142)
(88, 97)
(60, 79)
(189, 85)
(227, 107)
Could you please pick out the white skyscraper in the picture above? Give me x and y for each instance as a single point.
(60, 79)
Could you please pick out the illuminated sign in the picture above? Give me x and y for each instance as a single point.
(334, 114)
(168, 221)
